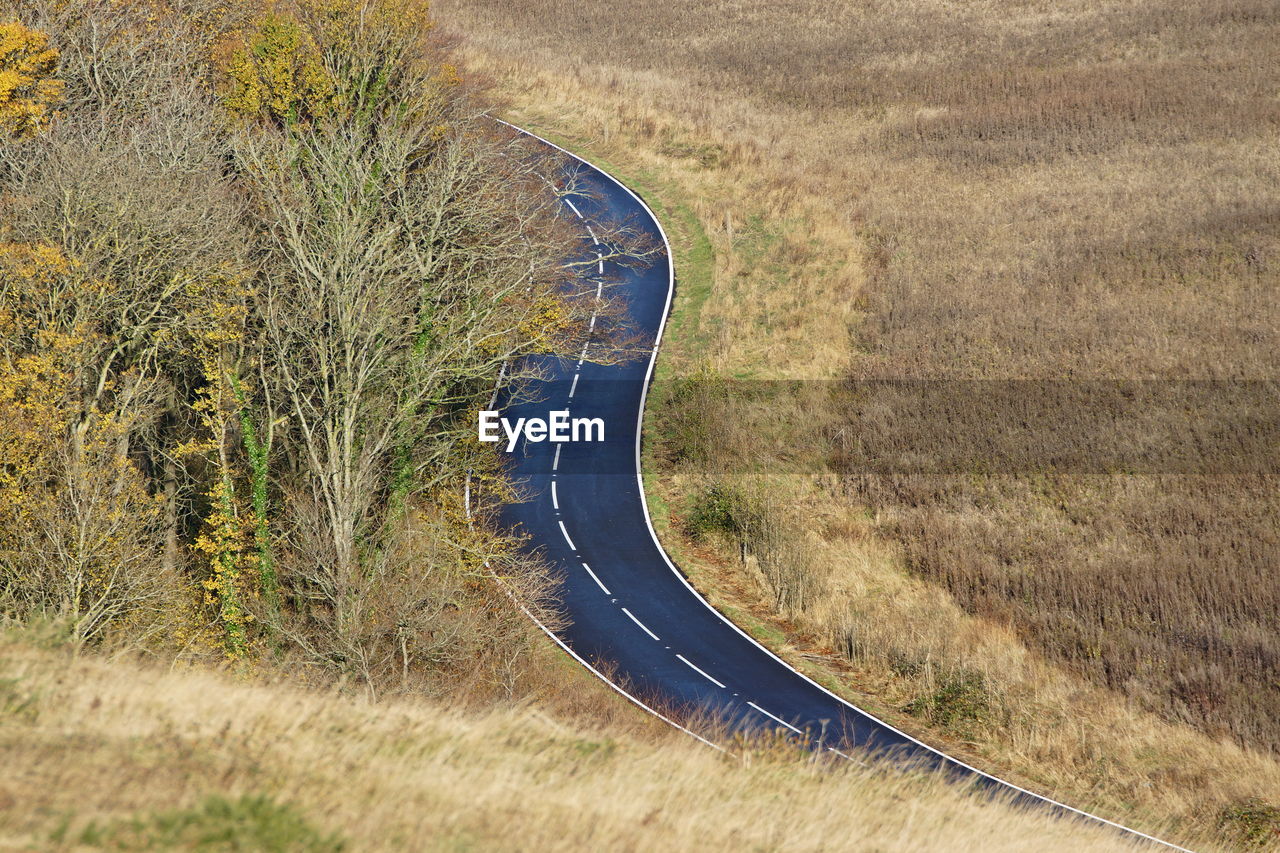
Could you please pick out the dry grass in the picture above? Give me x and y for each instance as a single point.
(118, 756)
(912, 189)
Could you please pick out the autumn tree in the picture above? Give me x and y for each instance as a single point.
(131, 192)
(278, 73)
(407, 253)
(78, 527)
(259, 275)
(29, 91)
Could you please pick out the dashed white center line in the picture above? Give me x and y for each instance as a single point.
(566, 537)
(599, 582)
(593, 236)
(555, 463)
(583, 356)
(555, 499)
(574, 386)
(643, 627)
(600, 263)
(573, 208)
(775, 719)
(686, 662)
(592, 327)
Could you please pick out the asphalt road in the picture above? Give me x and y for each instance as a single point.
(634, 619)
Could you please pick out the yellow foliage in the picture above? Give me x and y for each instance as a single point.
(37, 310)
(227, 544)
(340, 22)
(547, 322)
(77, 523)
(33, 390)
(39, 263)
(33, 380)
(278, 73)
(78, 526)
(34, 386)
(448, 75)
(218, 307)
(302, 61)
(28, 90)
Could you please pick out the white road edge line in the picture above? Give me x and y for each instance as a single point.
(566, 537)
(573, 208)
(703, 673)
(775, 719)
(641, 624)
(596, 578)
(597, 673)
(555, 499)
(644, 504)
(574, 386)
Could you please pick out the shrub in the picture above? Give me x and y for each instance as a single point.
(1253, 823)
(719, 510)
(959, 697)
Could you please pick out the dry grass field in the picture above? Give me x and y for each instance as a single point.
(113, 756)
(1069, 191)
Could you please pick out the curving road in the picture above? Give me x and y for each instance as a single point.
(633, 615)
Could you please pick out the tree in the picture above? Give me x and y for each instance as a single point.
(29, 92)
(257, 278)
(278, 74)
(129, 186)
(78, 528)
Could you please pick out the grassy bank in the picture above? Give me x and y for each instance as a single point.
(111, 755)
